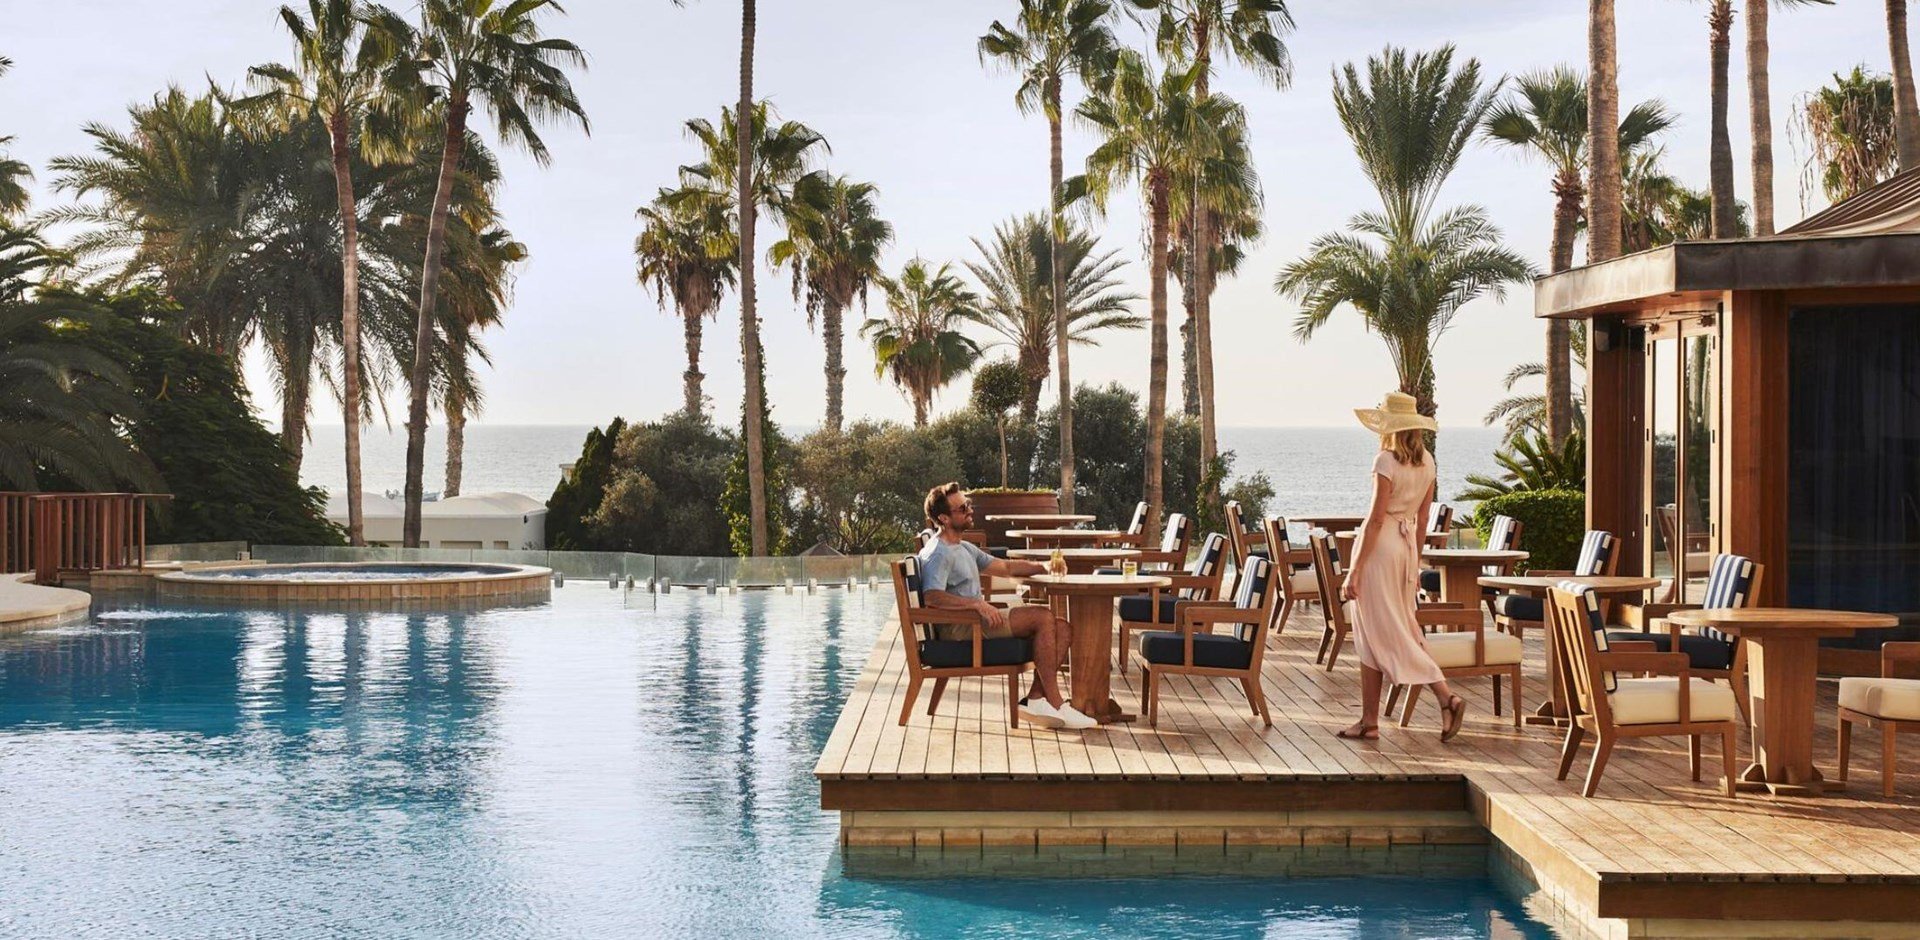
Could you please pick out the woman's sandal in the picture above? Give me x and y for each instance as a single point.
(1456, 716)
(1366, 733)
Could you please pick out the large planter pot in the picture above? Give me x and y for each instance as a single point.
(1014, 503)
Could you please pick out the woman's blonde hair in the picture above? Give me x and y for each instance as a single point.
(1409, 446)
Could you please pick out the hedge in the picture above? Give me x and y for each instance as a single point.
(1553, 523)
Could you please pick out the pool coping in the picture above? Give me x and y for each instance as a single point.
(512, 582)
(25, 605)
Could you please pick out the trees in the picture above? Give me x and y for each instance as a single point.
(1230, 189)
(834, 240)
(1547, 117)
(1851, 126)
(1150, 127)
(1906, 115)
(685, 252)
(475, 53)
(1760, 109)
(1049, 41)
(1603, 122)
(1015, 272)
(340, 54)
(13, 173)
(997, 388)
(1720, 151)
(918, 343)
(1405, 269)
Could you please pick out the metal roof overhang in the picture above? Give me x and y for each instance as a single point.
(1782, 262)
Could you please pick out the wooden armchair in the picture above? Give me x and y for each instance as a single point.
(1889, 703)
(1244, 540)
(1733, 581)
(1503, 535)
(1439, 524)
(1175, 539)
(933, 656)
(1329, 576)
(1514, 613)
(1193, 649)
(1159, 607)
(1669, 702)
(1135, 535)
(1458, 640)
(1684, 560)
(1293, 573)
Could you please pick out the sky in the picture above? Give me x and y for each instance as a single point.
(898, 90)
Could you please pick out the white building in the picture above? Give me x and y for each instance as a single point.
(498, 521)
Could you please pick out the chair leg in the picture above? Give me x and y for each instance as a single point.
(1393, 696)
(1406, 713)
(1846, 747)
(1259, 694)
(1152, 691)
(1280, 622)
(1246, 687)
(1693, 756)
(1569, 749)
(1333, 652)
(1602, 749)
(1729, 757)
(1887, 762)
(1120, 652)
(1326, 643)
(1496, 696)
(1516, 696)
(1013, 700)
(939, 689)
(913, 692)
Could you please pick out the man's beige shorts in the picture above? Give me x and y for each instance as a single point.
(955, 631)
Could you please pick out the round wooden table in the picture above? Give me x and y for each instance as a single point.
(1079, 560)
(1064, 538)
(1089, 599)
(1048, 519)
(1331, 522)
(1461, 568)
(1554, 710)
(1783, 652)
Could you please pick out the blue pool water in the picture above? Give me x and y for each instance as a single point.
(602, 765)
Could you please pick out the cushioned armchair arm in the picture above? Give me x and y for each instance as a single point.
(1207, 613)
(1178, 581)
(1903, 651)
(1642, 616)
(1157, 557)
(964, 618)
(1544, 573)
(1657, 664)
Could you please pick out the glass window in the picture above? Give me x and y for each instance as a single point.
(1663, 382)
(1695, 495)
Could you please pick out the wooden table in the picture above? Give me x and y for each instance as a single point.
(1783, 651)
(1329, 521)
(1461, 568)
(1049, 519)
(1079, 560)
(1554, 710)
(1089, 599)
(1064, 538)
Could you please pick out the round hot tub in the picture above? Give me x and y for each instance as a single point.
(359, 582)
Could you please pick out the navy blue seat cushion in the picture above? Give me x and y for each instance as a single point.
(1520, 607)
(997, 551)
(1108, 571)
(1139, 608)
(1258, 550)
(1217, 651)
(1703, 652)
(995, 651)
(1430, 581)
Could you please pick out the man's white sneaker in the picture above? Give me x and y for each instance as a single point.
(1072, 719)
(1040, 713)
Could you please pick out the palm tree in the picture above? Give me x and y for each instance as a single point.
(1049, 41)
(340, 54)
(1527, 411)
(1150, 129)
(1547, 117)
(685, 251)
(1603, 124)
(1228, 187)
(1016, 277)
(1720, 153)
(1760, 109)
(1405, 269)
(13, 173)
(488, 54)
(834, 240)
(476, 291)
(1247, 32)
(1906, 115)
(918, 343)
(1851, 128)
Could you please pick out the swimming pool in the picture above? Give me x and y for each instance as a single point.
(605, 763)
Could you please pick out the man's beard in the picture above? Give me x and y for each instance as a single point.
(957, 525)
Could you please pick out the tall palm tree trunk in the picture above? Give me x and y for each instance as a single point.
(349, 319)
(830, 330)
(692, 320)
(1061, 340)
(922, 398)
(1566, 221)
(755, 404)
(295, 399)
(1157, 359)
(1603, 134)
(456, 406)
(423, 328)
(1189, 364)
(1906, 116)
(1760, 116)
(1720, 163)
(1203, 294)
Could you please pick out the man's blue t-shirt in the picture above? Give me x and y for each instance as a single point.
(953, 568)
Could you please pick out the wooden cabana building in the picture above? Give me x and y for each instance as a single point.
(1762, 396)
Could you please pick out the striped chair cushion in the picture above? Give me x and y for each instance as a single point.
(1175, 534)
(1139, 523)
(1595, 551)
(1207, 563)
(1596, 623)
(910, 571)
(1729, 584)
(1250, 593)
(1500, 536)
(1439, 518)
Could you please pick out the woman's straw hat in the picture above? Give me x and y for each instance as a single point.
(1397, 412)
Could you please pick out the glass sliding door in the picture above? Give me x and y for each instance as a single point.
(1682, 407)
(1698, 418)
(1662, 452)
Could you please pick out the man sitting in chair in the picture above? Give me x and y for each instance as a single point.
(950, 570)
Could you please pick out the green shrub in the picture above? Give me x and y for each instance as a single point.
(1554, 521)
(862, 490)
(580, 492)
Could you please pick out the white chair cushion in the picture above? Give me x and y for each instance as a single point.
(1656, 700)
(1303, 582)
(1451, 650)
(1898, 699)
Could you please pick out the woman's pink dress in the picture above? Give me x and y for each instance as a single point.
(1385, 633)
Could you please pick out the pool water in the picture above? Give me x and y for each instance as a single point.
(361, 572)
(603, 764)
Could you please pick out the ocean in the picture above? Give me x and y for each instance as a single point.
(1312, 469)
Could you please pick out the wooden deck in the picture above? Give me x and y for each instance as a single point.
(1652, 848)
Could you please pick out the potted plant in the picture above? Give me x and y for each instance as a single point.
(1001, 500)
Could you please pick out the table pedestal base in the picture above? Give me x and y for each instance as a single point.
(1782, 667)
(1754, 779)
(1092, 650)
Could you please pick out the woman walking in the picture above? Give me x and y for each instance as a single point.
(1385, 575)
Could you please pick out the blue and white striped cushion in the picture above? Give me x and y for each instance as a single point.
(1438, 518)
(1175, 533)
(1596, 623)
(1595, 550)
(1251, 592)
(910, 573)
(1500, 536)
(1208, 561)
(1139, 523)
(1729, 584)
